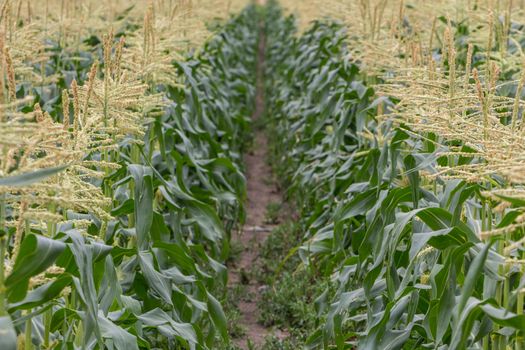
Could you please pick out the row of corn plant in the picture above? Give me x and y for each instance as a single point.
(422, 257)
(120, 179)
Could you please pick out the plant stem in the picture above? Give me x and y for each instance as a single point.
(3, 311)
(51, 231)
(47, 327)
(519, 311)
(28, 334)
(135, 159)
(152, 142)
(2, 212)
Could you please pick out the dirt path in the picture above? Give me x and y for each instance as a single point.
(261, 192)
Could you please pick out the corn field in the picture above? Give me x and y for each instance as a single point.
(393, 131)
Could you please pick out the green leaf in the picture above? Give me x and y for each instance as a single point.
(218, 316)
(156, 280)
(36, 254)
(413, 177)
(7, 334)
(116, 336)
(475, 272)
(516, 202)
(207, 220)
(167, 326)
(440, 239)
(30, 178)
(43, 294)
(142, 176)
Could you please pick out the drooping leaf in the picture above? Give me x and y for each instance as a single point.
(30, 178)
(7, 334)
(36, 254)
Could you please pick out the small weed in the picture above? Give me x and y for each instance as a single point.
(227, 347)
(273, 209)
(289, 300)
(245, 277)
(289, 303)
(235, 328)
(274, 343)
(268, 181)
(236, 249)
(231, 308)
(275, 248)
(259, 124)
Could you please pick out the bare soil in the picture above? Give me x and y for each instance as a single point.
(262, 191)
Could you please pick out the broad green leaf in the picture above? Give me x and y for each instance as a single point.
(157, 281)
(36, 254)
(44, 293)
(167, 326)
(116, 336)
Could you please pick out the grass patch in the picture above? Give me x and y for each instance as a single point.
(274, 343)
(233, 314)
(275, 248)
(288, 301)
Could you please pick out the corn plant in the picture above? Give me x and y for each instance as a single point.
(121, 179)
(407, 245)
